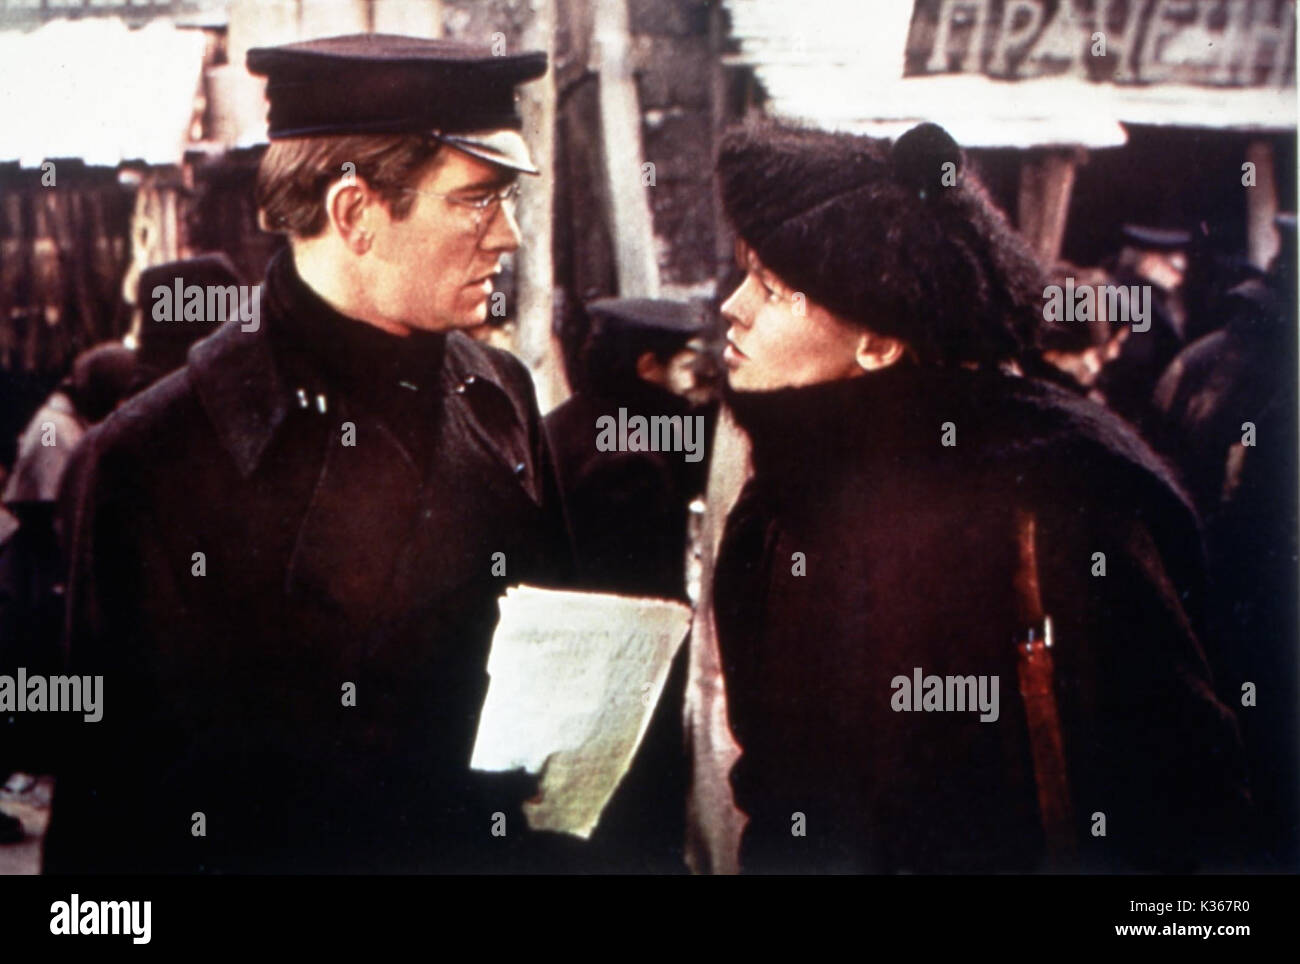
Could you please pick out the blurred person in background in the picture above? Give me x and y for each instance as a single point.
(629, 513)
(1154, 258)
(101, 378)
(32, 571)
(162, 345)
(1227, 418)
(31, 561)
(628, 509)
(1081, 351)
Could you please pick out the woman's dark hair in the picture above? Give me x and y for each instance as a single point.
(901, 239)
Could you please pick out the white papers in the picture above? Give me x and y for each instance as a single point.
(575, 678)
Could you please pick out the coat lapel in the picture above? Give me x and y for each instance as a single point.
(368, 503)
(365, 505)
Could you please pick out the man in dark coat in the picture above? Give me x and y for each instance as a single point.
(872, 580)
(628, 509)
(1152, 258)
(1227, 407)
(286, 556)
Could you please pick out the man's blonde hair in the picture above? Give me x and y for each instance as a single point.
(296, 172)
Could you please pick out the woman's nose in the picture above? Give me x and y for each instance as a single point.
(733, 309)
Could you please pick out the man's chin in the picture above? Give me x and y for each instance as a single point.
(461, 321)
(474, 316)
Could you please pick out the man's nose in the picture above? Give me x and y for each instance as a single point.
(503, 232)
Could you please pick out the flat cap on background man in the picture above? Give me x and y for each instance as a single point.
(649, 315)
(286, 556)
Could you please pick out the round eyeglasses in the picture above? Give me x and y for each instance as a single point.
(483, 206)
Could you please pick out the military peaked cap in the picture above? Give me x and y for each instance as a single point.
(462, 94)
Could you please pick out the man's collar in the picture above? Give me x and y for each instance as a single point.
(247, 397)
(238, 385)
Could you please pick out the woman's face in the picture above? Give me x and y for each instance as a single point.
(779, 338)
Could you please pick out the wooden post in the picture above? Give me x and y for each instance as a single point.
(155, 230)
(327, 18)
(259, 23)
(1262, 241)
(1046, 182)
(714, 824)
(534, 264)
(723, 237)
(625, 175)
(414, 18)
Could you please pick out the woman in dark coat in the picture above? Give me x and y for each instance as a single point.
(866, 589)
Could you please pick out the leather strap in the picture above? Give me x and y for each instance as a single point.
(1036, 671)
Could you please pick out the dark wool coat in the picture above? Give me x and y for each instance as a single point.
(324, 564)
(909, 549)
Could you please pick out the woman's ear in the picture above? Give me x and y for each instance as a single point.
(875, 352)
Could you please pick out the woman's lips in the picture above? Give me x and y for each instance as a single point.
(732, 355)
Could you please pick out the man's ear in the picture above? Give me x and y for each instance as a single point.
(651, 369)
(348, 205)
(875, 352)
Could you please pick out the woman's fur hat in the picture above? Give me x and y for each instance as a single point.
(900, 238)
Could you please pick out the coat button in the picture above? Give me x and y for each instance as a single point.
(519, 468)
(471, 379)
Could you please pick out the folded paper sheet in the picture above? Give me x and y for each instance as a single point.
(575, 678)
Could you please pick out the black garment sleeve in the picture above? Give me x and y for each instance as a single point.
(110, 810)
(1154, 757)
